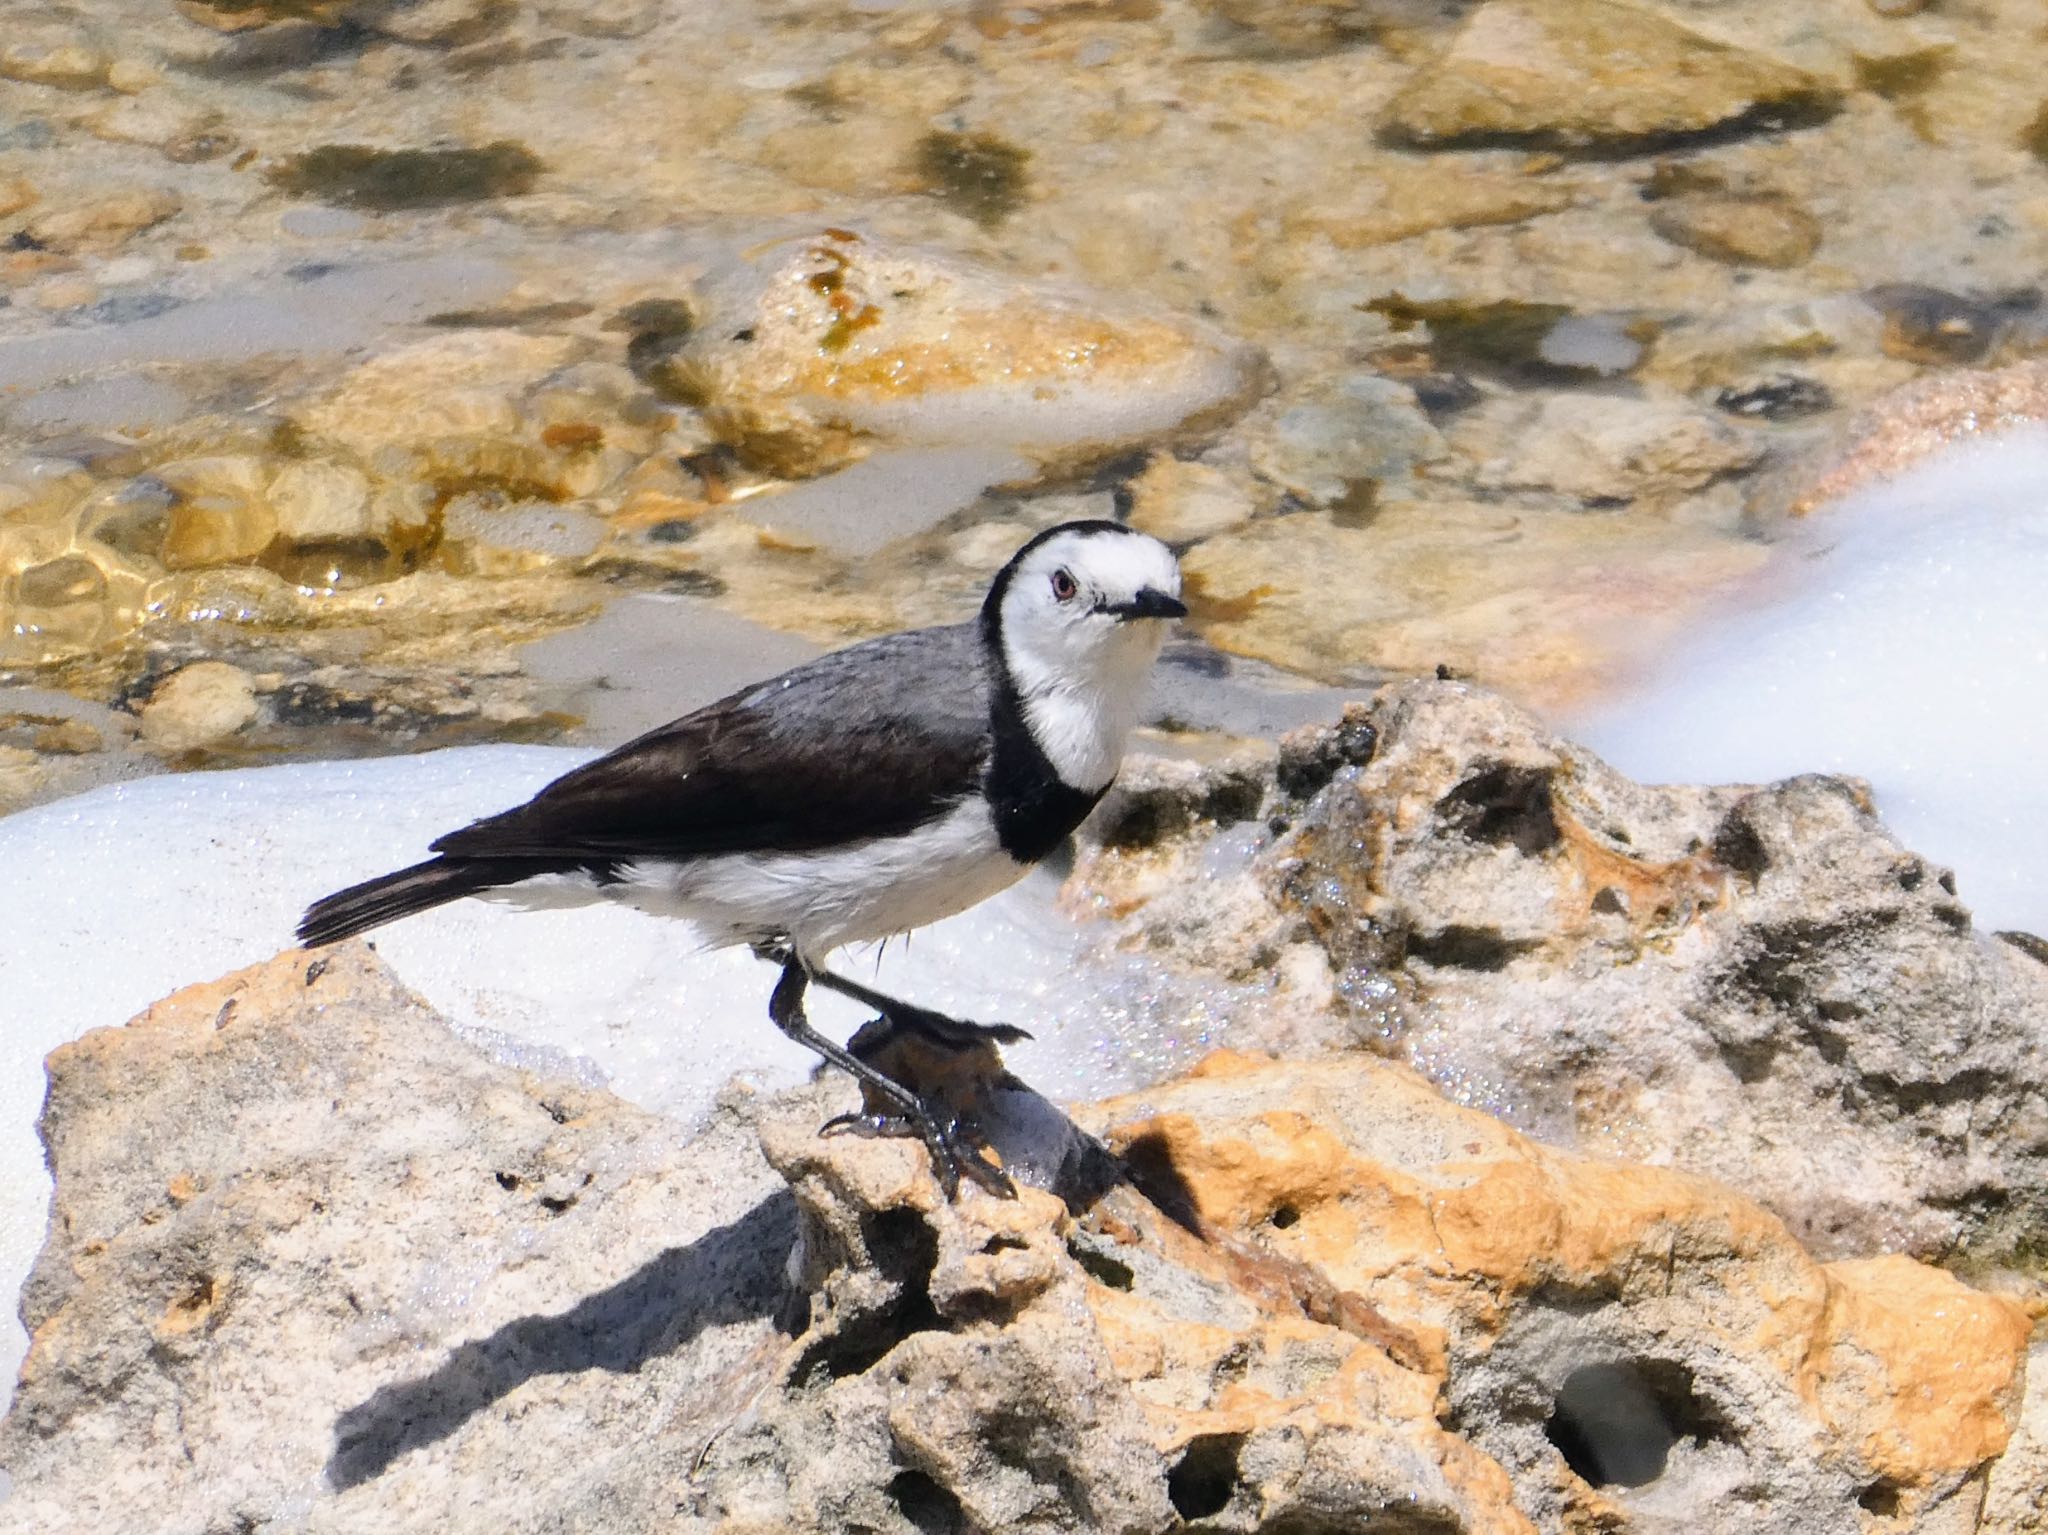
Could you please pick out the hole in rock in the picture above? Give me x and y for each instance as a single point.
(1466, 948)
(1284, 1216)
(1738, 847)
(931, 1508)
(1615, 1424)
(1101, 1267)
(1204, 1478)
(1881, 1497)
(1503, 804)
(1003, 1242)
(902, 1247)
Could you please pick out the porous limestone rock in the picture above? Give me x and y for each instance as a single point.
(316, 1264)
(1595, 448)
(1920, 419)
(1348, 598)
(1592, 72)
(198, 706)
(104, 222)
(815, 344)
(1755, 983)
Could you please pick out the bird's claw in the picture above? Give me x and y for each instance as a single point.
(950, 1150)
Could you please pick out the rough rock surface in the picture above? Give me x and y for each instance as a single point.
(829, 340)
(1574, 73)
(317, 1265)
(1756, 983)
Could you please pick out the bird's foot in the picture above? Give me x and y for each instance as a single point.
(954, 1149)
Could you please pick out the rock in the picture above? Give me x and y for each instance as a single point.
(321, 501)
(296, 1187)
(1562, 1288)
(1398, 199)
(220, 512)
(1580, 73)
(1742, 231)
(1598, 448)
(61, 293)
(16, 193)
(131, 75)
(1304, 27)
(434, 23)
(1354, 597)
(1182, 502)
(1776, 397)
(104, 223)
(65, 65)
(602, 18)
(2013, 1501)
(1756, 984)
(314, 1257)
(22, 777)
(1926, 325)
(198, 707)
(1338, 446)
(824, 342)
(1908, 424)
(461, 389)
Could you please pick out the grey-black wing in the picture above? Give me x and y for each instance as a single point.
(869, 741)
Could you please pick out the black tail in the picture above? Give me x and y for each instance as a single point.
(390, 896)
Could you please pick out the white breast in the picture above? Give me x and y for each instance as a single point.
(821, 900)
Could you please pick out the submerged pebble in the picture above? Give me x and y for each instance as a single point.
(391, 180)
(1761, 230)
(977, 174)
(197, 707)
(805, 350)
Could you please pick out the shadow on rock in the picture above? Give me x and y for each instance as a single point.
(650, 1313)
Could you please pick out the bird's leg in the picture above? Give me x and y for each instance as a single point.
(941, 1139)
(956, 1032)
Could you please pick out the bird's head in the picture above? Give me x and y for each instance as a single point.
(1084, 607)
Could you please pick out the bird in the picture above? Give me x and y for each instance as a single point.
(860, 795)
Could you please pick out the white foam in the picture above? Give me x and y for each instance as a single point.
(118, 896)
(1902, 638)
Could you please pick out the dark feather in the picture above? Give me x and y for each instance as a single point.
(767, 768)
(420, 888)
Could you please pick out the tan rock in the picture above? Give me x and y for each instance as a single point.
(130, 75)
(1924, 417)
(1874, 1372)
(1182, 502)
(61, 293)
(826, 341)
(16, 193)
(1405, 594)
(2016, 1488)
(320, 500)
(464, 385)
(1350, 1297)
(220, 512)
(1396, 199)
(1583, 72)
(1742, 231)
(1603, 449)
(197, 707)
(105, 222)
(66, 66)
(22, 777)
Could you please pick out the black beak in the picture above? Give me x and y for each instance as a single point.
(1149, 603)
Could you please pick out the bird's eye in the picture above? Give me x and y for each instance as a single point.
(1063, 587)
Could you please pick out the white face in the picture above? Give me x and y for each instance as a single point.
(1086, 606)
(1082, 621)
